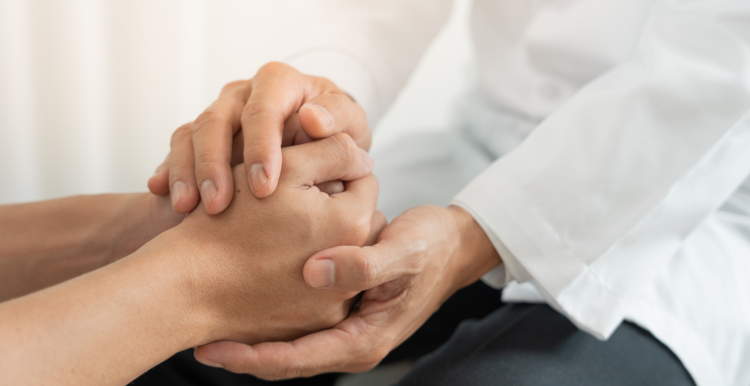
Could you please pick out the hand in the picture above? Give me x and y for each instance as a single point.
(234, 276)
(247, 262)
(420, 259)
(278, 107)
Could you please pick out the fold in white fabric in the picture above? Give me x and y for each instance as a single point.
(610, 206)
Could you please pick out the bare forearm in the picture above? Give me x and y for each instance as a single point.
(478, 255)
(44, 243)
(102, 328)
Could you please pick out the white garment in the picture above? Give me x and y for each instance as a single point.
(610, 205)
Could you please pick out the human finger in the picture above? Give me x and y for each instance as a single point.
(278, 92)
(158, 183)
(352, 268)
(331, 187)
(351, 346)
(213, 132)
(353, 211)
(293, 133)
(334, 158)
(331, 113)
(182, 184)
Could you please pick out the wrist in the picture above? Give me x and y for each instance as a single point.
(136, 220)
(185, 303)
(475, 253)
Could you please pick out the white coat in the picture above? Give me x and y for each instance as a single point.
(626, 199)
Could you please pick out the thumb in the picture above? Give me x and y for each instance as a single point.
(348, 268)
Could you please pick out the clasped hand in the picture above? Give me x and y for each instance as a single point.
(245, 264)
(418, 261)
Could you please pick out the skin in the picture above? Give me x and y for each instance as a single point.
(420, 259)
(236, 276)
(45, 243)
(250, 122)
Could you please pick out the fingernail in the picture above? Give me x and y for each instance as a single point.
(322, 273)
(208, 192)
(210, 363)
(179, 190)
(368, 159)
(323, 115)
(258, 177)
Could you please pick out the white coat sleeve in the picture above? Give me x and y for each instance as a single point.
(606, 189)
(368, 48)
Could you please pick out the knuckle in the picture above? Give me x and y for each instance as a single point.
(370, 270)
(357, 225)
(232, 86)
(181, 133)
(178, 169)
(208, 119)
(344, 146)
(361, 229)
(204, 159)
(206, 163)
(274, 68)
(260, 108)
(256, 107)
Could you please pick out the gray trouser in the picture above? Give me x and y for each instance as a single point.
(524, 344)
(494, 344)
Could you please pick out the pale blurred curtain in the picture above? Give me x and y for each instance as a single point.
(90, 91)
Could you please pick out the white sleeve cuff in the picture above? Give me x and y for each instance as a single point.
(347, 73)
(502, 211)
(510, 269)
(498, 277)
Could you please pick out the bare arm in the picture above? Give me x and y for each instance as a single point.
(45, 243)
(233, 276)
(134, 313)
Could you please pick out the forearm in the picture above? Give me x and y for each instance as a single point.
(102, 328)
(44, 243)
(477, 254)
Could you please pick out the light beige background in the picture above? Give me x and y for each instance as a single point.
(90, 91)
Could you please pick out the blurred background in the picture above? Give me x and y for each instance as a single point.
(91, 90)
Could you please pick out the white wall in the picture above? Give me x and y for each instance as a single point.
(90, 91)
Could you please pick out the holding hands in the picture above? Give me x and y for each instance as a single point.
(267, 283)
(247, 261)
(233, 276)
(249, 123)
(420, 259)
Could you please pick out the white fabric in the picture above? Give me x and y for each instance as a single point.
(429, 168)
(641, 104)
(607, 207)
